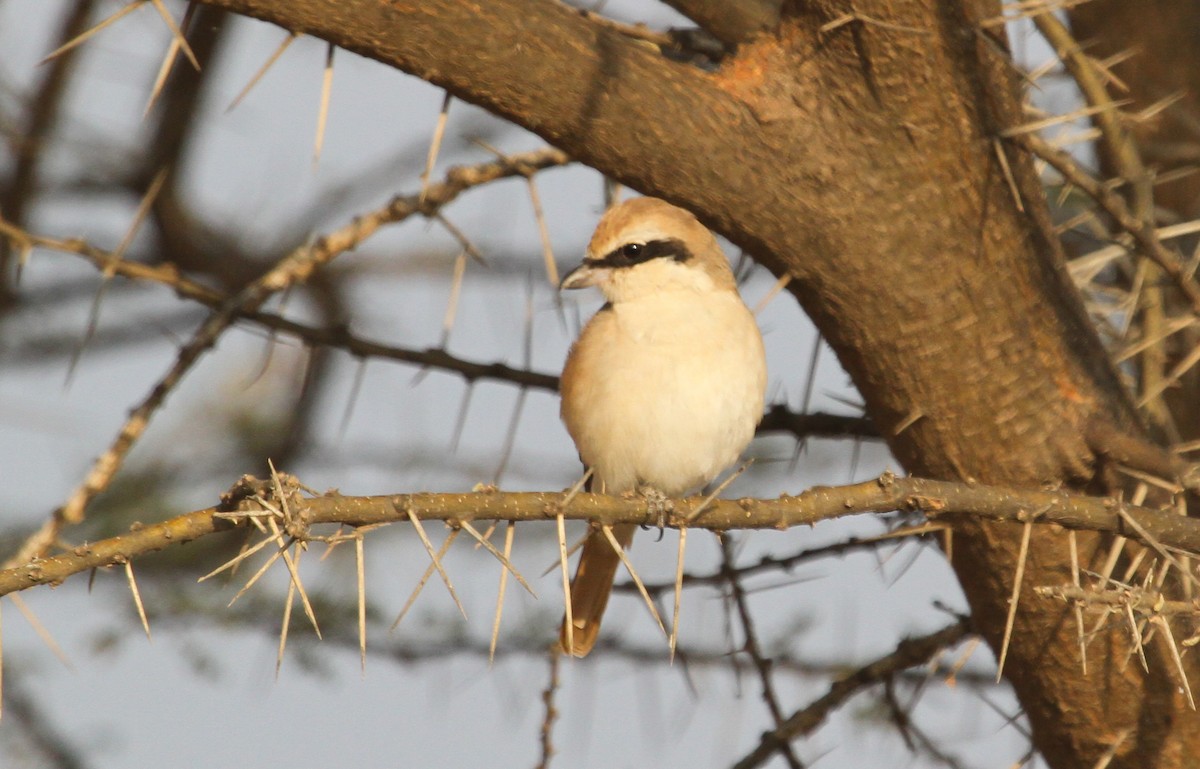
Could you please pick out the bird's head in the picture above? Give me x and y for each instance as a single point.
(647, 246)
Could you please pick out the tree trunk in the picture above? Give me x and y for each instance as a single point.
(858, 154)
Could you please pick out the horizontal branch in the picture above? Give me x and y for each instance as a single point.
(731, 23)
(1145, 602)
(338, 337)
(780, 418)
(294, 268)
(933, 498)
(777, 419)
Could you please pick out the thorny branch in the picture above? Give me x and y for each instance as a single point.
(1142, 232)
(777, 419)
(1148, 303)
(1115, 133)
(936, 499)
(1139, 600)
(296, 267)
(335, 337)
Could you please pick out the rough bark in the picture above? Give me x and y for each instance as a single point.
(860, 159)
(731, 23)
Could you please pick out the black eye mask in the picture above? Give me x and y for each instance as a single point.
(636, 253)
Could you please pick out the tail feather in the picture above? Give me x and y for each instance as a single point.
(591, 587)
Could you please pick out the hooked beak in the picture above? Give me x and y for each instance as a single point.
(583, 276)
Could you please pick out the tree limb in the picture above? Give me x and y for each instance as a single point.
(936, 499)
(731, 23)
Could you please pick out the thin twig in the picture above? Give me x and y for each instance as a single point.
(547, 730)
(909, 652)
(751, 646)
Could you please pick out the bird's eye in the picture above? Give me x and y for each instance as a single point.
(631, 250)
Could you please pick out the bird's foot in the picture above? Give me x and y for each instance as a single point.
(659, 504)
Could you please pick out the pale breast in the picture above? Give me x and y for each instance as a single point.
(665, 391)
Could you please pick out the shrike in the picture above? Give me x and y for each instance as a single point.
(665, 385)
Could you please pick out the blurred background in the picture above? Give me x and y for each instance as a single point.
(79, 347)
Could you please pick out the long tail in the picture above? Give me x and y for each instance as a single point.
(591, 587)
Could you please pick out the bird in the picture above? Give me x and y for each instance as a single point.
(664, 387)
